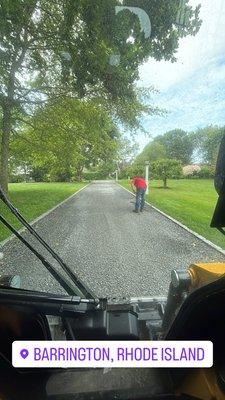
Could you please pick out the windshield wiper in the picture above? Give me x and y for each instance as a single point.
(80, 288)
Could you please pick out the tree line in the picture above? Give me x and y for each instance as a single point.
(168, 153)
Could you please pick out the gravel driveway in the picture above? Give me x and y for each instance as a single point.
(115, 251)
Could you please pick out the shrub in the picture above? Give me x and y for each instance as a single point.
(206, 172)
(38, 174)
(17, 178)
(95, 175)
(191, 170)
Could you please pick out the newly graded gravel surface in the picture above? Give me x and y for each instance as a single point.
(113, 250)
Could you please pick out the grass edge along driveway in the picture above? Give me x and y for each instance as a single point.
(189, 201)
(34, 199)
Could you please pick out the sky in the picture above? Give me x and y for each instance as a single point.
(192, 90)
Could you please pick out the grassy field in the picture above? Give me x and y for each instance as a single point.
(34, 199)
(191, 202)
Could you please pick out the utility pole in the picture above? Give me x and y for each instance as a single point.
(147, 163)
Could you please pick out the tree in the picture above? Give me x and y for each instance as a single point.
(207, 142)
(62, 144)
(167, 168)
(152, 152)
(125, 154)
(41, 41)
(178, 145)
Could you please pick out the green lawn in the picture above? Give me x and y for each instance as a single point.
(191, 202)
(34, 199)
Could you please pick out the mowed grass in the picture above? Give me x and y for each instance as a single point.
(190, 201)
(34, 199)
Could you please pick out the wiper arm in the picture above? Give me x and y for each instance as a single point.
(60, 279)
(48, 302)
(80, 286)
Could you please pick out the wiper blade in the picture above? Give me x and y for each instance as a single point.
(81, 288)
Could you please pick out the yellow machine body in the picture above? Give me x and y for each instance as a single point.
(202, 383)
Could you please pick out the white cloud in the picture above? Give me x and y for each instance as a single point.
(193, 103)
(193, 52)
(193, 88)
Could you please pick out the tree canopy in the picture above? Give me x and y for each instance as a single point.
(53, 48)
(207, 141)
(166, 168)
(178, 144)
(64, 143)
(152, 152)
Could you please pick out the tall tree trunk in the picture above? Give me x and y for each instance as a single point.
(6, 129)
(165, 183)
(7, 109)
(79, 173)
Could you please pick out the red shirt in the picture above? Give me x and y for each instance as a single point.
(139, 183)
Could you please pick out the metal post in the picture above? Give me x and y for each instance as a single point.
(147, 174)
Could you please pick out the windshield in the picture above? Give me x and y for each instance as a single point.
(112, 113)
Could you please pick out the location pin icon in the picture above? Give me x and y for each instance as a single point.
(24, 353)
